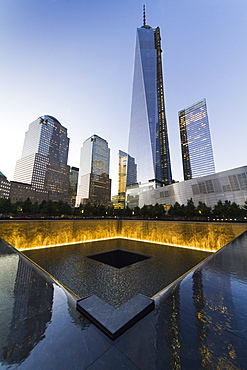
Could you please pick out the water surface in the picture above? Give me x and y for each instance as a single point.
(85, 276)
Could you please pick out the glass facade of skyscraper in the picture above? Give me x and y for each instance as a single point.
(148, 139)
(94, 183)
(125, 178)
(43, 163)
(73, 183)
(197, 152)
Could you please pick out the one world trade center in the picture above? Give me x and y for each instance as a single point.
(148, 138)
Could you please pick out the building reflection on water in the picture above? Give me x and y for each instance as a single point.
(31, 313)
(32, 309)
(199, 322)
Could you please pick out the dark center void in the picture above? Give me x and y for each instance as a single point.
(118, 258)
(84, 276)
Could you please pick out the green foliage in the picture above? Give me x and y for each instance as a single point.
(27, 206)
(17, 208)
(190, 210)
(226, 210)
(5, 206)
(176, 210)
(203, 210)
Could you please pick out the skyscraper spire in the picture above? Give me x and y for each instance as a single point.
(148, 138)
(144, 15)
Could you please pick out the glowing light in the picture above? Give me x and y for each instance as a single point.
(65, 244)
(119, 237)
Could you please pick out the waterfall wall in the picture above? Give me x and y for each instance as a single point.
(26, 234)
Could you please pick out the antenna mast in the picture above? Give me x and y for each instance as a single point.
(144, 15)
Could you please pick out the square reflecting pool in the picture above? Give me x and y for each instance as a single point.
(86, 276)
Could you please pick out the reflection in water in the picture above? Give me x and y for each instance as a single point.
(30, 314)
(201, 320)
(198, 323)
(37, 316)
(196, 326)
(214, 312)
(173, 337)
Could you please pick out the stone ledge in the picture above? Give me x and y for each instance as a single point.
(115, 321)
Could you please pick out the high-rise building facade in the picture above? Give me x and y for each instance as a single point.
(196, 145)
(4, 186)
(125, 178)
(148, 138)
(73, 183)
(94, 183)
(43, 163)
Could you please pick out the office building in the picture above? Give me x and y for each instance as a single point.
(125, 178)
(148, 137)
(228, 185)
(73, 183)
(43, 163)
(196, 146)
(4, 186)
(94, 183)
(20, 191)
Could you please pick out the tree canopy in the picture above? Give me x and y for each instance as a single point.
(51, 209)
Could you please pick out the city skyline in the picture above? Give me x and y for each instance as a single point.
(69, 67)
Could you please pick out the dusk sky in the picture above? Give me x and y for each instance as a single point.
(73, 59)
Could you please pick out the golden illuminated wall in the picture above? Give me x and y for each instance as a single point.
(31, 234)
(206, 236)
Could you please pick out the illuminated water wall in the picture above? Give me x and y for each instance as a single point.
(27, 234)
(201, 235)
(30, 234)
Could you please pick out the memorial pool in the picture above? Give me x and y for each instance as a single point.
(86, 276)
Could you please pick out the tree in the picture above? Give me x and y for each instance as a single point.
(226, 209)
(89, 210)
(27, 206)
(234, 211)
(137, 211)
(110, 211)
(190, 209)
(78, 211)
(17, 207)
(203, 210)
(244, 208)
(145, 211)
(175, 210)
(48, 208)
(158, 211)
(127, 212)
(5, 206)
(218, 209)
(35, 210)
(64, 209)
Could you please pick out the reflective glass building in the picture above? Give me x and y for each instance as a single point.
(125, 178)
(197, 152)
(94, 183)
(73, 183)
(148, 138)
(43, 163)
